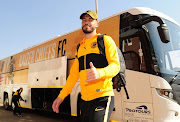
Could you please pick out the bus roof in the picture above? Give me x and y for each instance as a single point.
(144, 10)
(133, 11)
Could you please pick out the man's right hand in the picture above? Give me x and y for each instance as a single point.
(56, 104)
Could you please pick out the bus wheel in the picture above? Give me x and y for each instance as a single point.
(6, 102)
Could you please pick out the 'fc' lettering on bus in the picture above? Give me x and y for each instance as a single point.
(61, 50)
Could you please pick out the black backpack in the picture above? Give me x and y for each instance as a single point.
(118, 80)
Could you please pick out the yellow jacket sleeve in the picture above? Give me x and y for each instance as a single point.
(112, 57)
(71, 80)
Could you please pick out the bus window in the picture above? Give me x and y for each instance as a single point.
(133, 54)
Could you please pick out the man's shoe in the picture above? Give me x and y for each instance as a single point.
(15, 114)
(19, 115)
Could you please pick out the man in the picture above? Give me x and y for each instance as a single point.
(15, 101)
(95, 72)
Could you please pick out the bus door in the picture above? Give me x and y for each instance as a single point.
(140, 104)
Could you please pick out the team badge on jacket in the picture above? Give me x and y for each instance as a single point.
(94, 44)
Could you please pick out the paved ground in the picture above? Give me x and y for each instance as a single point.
(34, 116)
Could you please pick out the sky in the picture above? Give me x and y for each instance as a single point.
(24, 23)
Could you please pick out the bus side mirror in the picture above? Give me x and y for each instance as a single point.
(163, 33)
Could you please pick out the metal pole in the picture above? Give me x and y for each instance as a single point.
(97, 7)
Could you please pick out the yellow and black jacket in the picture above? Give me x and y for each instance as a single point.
(17, 96)
(107, 66)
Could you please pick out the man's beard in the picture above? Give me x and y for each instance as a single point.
(86, 30)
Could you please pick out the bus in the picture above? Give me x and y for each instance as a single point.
(150, 43)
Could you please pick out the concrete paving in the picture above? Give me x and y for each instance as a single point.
(34, 116)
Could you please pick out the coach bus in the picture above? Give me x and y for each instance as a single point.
(150, 43)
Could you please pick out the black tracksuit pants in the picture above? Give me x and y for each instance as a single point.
(17, 108)
(97, 110)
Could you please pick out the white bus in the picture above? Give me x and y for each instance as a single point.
(150, 43)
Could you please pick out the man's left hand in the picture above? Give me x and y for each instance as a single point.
(92, 73)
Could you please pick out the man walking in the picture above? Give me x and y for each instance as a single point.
(95, 71)
(15, 101)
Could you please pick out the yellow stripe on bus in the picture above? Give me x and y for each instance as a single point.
(114, 121)
(73, 114)
(46, 87)
(26, 107)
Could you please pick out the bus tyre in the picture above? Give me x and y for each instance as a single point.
(6, 102)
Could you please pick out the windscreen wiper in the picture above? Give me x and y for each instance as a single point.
(174, 78)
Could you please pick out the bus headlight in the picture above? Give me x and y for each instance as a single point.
(167, 93)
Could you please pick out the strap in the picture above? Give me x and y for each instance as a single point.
(100, 41)
(78, 47)
(123, 82)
